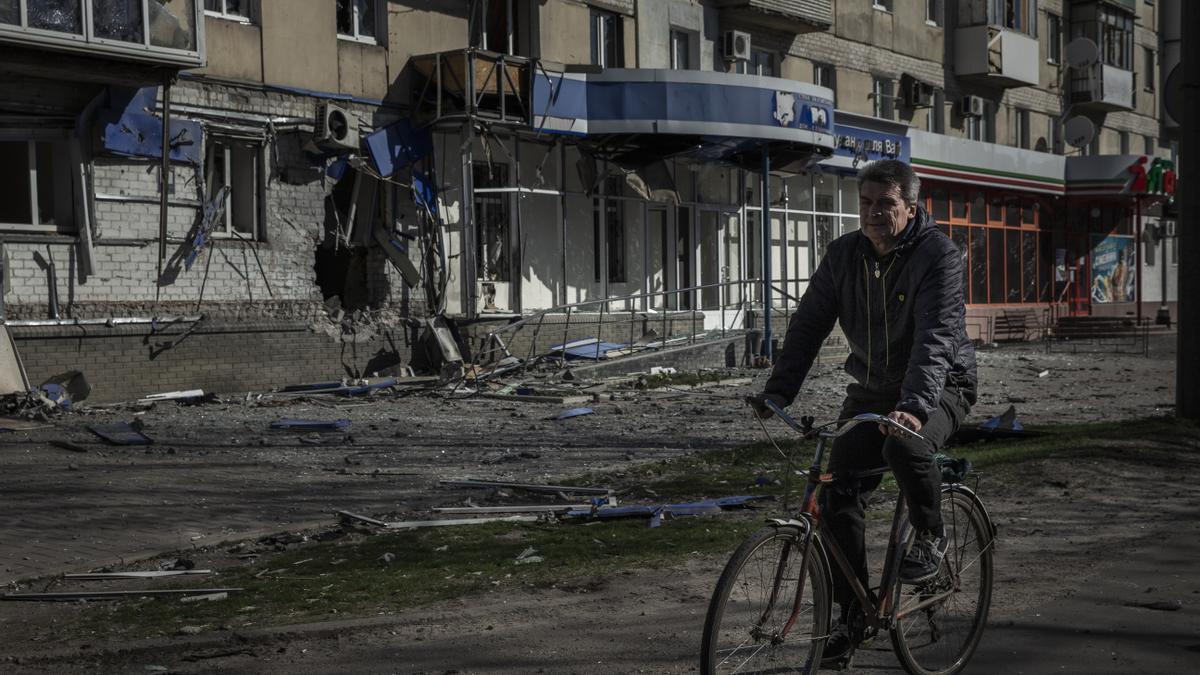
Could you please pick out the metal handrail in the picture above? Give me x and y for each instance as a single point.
(494, 337)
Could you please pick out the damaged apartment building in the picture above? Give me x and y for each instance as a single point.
(338, 172)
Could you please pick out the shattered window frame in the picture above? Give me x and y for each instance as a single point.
(145, 43)
(358, 9)
(57, 179)
(247, 15)
(227, 147)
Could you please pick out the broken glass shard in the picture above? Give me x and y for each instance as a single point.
(63, 16)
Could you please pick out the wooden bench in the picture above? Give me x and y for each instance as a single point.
(1117, 334)
(1016, 325)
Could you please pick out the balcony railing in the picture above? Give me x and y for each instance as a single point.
(1002, 56)
(158, 32)
(1103, 87)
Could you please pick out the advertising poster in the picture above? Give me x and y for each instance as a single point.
(1113, 273)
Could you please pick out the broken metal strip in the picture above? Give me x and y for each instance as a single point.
(96, 576)
(108, 595)
(413, 524)
(534, 508)
(549, 489)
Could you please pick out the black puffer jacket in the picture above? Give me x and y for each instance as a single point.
(902, 314)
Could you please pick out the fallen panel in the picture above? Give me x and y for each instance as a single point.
(114, 595)
(120, 433)
(574, 412)
(97, 576)
(528, 398)
(532, 508)
(12, 373)
(287, 423)
(186, 395)
(549, 489)
(413, 524)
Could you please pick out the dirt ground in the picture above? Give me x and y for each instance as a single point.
(1066, 525)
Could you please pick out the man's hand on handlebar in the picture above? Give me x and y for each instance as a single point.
(761, 410)
(907, 420)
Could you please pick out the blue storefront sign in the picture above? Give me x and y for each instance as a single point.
(865, 145)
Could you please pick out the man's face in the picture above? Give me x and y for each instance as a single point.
(883, 214)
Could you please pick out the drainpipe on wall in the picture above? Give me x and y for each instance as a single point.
(164, 173)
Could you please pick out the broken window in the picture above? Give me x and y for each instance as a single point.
(492, 221)
(118, 20)
(237, 164)
(38, 196)
(357, 19)
(237, 10)
(10, 12)
(63, 16)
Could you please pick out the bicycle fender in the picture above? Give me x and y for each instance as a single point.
(788, 522)
(976, 503)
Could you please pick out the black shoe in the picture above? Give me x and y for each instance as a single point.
(924, 558)
(839, 648)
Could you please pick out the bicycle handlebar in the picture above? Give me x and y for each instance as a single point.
(846, 424)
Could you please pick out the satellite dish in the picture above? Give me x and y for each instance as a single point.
(1079, 131)
(1082, 52)
(1173, 93)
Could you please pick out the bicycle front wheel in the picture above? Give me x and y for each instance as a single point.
(760, 619)
(939, 623)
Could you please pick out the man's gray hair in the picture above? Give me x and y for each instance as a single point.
(893, 172)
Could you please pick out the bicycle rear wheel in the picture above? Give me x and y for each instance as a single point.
(744, 631)
(939, 637)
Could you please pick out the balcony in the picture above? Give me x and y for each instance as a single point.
(998, 56)
(471, 82)
(1102, 87)
(154, 32)
(799, 16)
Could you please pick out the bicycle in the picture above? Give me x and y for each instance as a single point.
(763, 617)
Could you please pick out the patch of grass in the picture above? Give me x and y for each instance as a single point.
(321, 581)
(345, 577)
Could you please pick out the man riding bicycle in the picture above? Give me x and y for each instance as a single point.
(896, 288)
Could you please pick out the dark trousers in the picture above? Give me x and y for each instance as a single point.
(864, 448)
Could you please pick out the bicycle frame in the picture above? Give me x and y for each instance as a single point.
(877, 612)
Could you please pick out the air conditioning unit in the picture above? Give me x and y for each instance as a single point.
(971, 106)
(335, 128)
(915, 93)
(736, 46)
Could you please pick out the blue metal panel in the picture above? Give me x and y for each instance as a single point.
(130, 127)
(398, 145)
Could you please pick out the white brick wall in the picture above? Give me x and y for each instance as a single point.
(126, 224)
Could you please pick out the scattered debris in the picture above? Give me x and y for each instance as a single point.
(525, 508)
(67, 445)
(573, 412)
(97, 576)
(528, 487)
(1158, 605)
(208, 597)
(413, 524)
(12, 424)
(527, 557)
(187, 396)
(121, 433)
(287, 423)
(114, 595)
(66, 388)
(656, 512)
(662, 370)
(387, 558)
